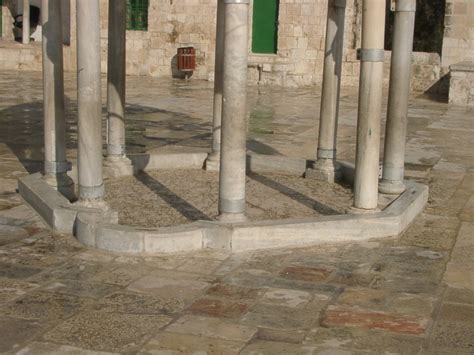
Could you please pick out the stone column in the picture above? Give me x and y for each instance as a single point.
(116, 163)
(55, 164)
(213, 160)
(370, 105)
(26, 22)
(234, 114)
(91, 188)
(399, 91)
(325, 168)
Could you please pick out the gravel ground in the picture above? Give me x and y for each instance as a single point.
(173, 197)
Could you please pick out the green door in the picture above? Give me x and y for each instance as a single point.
(265, 26)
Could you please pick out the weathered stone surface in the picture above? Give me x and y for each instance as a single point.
(213, 328)
(286, 298)
(15, 331)
(50, 348)
(218, 308)
(114, 332)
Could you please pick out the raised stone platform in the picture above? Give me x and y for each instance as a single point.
(461, 85)
(102, 231)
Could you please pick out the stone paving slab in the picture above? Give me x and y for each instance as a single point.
(146, 304)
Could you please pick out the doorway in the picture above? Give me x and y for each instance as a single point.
(265, 26)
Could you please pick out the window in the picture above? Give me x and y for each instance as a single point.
(137, 15)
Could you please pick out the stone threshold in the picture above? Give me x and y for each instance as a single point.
(100, 230)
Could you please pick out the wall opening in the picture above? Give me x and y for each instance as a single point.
(265, 26)
(429, 26)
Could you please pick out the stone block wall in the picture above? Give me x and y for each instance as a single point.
(458, 42)
(461, 88)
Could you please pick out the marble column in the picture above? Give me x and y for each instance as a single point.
(116, 163)
(213, 160)
(399, 92)
(55, 164)
(325, 168)
(26, 22)
(234, 114)
(91, 187)
(370, 106)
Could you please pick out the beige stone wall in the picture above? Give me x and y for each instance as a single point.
(299, 61)
(458, 43)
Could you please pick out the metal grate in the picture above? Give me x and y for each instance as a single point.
(137, 15)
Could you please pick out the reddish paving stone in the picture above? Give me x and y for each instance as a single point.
(234, 292)
(218, 308)
(353, 317)
(306, 273)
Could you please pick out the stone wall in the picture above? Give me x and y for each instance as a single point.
(458, 43)
(299, 60)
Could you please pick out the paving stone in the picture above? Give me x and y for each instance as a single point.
(453, 335)
(213, 328)
(138, 303)
(286, 298)
(312, 274)
(183, 290)
(234, 292)
(116, 332)
(353, 317)
(172, 343)
(457, 313)
(459, 295)
(10, 234)
(218, 308)
(285, 336)
(121, 276)
(11, 289)
(37, 348)
(200, 266)
(17, 271)
(14, 332)
(273, 347)
(81, 288)
(44, 306)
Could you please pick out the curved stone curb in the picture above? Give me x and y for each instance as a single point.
(100, 230)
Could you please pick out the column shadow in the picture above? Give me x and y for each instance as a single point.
(182, 206)
(293, 194)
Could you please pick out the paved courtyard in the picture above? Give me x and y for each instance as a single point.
(408, 295)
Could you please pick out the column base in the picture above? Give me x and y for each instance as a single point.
(62, 183)
(213, 162)
(357, 210)
(391, 187)
(327, 170)
(117, 165)
(232, 217)
(94, 203)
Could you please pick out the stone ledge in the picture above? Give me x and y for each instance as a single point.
(103, 232)
(463, 67)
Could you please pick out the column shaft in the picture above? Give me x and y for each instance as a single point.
(370, 104)
(399, 91)
(89, 100)
(26, 22)
(234, 115)
(325, 166)
(116, 78)
(212, 162)
(55, 164)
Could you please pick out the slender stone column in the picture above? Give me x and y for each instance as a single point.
(55, 163)
(370, 105)
(234, 114)
(116, 163)
(400, 74)
(213, 160)
(91, 188)
(26, 22)
(325, 168)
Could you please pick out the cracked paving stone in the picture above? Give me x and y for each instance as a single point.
(103, 331)
(44, 306)
(172, 343)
